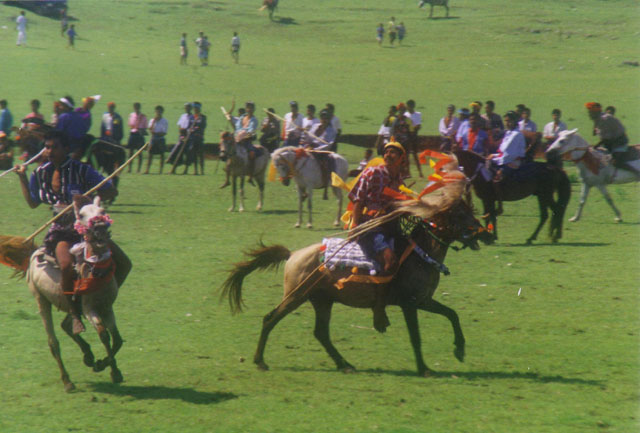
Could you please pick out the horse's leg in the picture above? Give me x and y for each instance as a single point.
(44, 306)
(67, 326)
(105, 338)
(234, 191)
(110, 324)
(490, 216)
(338, 193)
(270, 321)
(411, 319)
(436, 307)
(241, 207)
(260, 182)
(607, 197)
(584, 193)
(300, 203)
(310, 207)
(321, 332)
(543, 204)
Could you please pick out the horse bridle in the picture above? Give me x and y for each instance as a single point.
(292, 172)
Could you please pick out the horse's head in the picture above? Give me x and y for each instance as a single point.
(457, 223)
(92, 222)
(566, 142)
(226, 145)
(284, 162)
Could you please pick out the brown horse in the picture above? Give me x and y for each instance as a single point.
(270, 5)
(432, 224)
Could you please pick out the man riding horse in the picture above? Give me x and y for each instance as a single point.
(319, 139)
(371, 202)
(245, 128)
(55, 183)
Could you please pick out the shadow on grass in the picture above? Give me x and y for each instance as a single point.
(138, 204)
(285, 20)
(558, 244)
(278, 212)
(444, 18)
(188, 395)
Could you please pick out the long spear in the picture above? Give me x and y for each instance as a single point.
(299, 127)
(25, 164)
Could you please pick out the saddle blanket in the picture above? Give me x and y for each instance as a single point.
(337, 255)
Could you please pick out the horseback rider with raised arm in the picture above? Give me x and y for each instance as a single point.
(245, 128)
(510, 154)
(55, 183)
(320, 139)
(369, 203)
(612, 136)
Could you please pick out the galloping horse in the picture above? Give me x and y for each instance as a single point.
(271, 5)
(43, 278)
(534, 178)
(595, 168)
(299, 164)
(239, 168)
(432, 223)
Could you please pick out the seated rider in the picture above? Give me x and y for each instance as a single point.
(612, 136)
(321, 137)
(55, 183)
(245, 128)
(510, 154)
(369, 203)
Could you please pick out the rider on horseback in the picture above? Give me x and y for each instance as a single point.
(370, 202)
(510, 154)
(55, 183)
(245, 128)
(319, 139)
(612, 136)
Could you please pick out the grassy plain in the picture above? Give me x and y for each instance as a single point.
(560, 357)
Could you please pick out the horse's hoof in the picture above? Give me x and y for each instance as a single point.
(262, 366)
(100, 365)
(69, 387)
(116, 376)
(529, 242)
(241, 209)
(573, 219)
(297, 225)
(349, 369)
(427, 372)
(458, 352)
(259, 207)
(89, 360)
(309, 226)
(336, 223)
(618, 219)
(231, 209)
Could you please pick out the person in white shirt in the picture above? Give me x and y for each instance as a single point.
(416, 120)
(21, 23)
(158, 127)
(292, 125)
(448, 128)
(310, 119)
(235, 47)
(551, 129)
(336, 124)
(526, 124)
(463, 117)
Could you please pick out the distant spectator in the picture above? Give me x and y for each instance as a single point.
(416, 121)
(392, 30)
(158, 127)
(21, 25)
(384, 133)
(448, 128)
(526, 124)
(6, 119)
(71, 33)
(519, 110)
(380, 33)
(64, 21)
(494, 121)
(58, 109)
(6, 153)
(292, 126)
(270, 129)
(310, 119)
(235, 47)
(111, 127)
(335, 122)
(34, 116)
(551, 129)
(195, 144)
(202, 43)
(83, 114)
(475, 139)
(401, 32)
(184, 51)
(137, 131)
(463, 117)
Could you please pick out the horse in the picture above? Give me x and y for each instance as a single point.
(298, 164)
(271, 5)
(532, 178)
(432, 223)
(43, 277)
(595, 167)
(239, 168)
(433, 3)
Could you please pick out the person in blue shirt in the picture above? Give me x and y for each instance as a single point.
(6, 120)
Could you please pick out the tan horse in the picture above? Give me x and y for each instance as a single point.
(43, 278)
(431, 224)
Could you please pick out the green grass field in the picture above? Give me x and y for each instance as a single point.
(552, 330)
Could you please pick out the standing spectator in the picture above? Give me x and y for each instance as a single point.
(392, 30)
(34, 116)
(551, 129)
(184, 51)
(475, 107)
(235, 47)
(493, 120)
(448, 128)
(195, 143)
(401, 32)
(475, 139)
(384, 133)
(200, 43)
(58, 109)
(337, 125)
(401, 133)
(71, 33)
(463, 116)
(292, 125)
(158, 127)
(416, 121)
(185, 120)
(526, 124)
(138, 129)
(6, 119)
(205, 47)
(380, 34)
(64, 21)
(310, 119)
(84, 114)
(111, 128)
(21, 25)
(270, 129)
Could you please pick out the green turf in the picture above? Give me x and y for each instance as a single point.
(560, 357)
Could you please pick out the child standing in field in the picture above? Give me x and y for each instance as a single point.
(401, 32)
(71, 33)
(184, 52)
(380, 34)
(235, 47)
(392, 30)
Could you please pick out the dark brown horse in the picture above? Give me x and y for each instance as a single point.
(271, 6)
(432, 229)
(532, 178)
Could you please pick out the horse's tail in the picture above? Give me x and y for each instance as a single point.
(260, 258)
(564, 194)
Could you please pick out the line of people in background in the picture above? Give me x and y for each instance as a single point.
(393, 31)
(204, 44)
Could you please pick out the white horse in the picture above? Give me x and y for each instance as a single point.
(298, 164)
(44, 276)
(596, 168)
(238, 167)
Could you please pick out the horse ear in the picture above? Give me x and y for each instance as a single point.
(96, 200)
